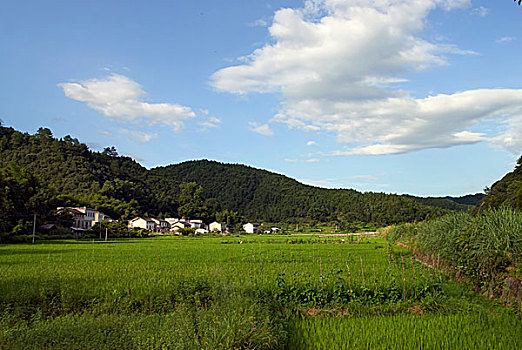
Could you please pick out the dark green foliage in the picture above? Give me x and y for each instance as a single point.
(470, 199)
(505, 192)
(452, 203)
(265, 196)
(70, 174)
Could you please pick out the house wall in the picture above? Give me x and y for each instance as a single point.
(216, 227)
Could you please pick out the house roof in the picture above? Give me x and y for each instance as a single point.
(142, 218)
(70, 210)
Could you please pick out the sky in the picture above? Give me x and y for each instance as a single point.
(398, 96)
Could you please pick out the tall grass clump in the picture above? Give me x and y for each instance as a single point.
(403, 232)
(483, 247)
(447, 236)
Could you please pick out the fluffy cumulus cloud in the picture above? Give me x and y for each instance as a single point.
(338, 65)
(121, 99)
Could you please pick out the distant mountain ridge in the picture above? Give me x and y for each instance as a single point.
(469, 199)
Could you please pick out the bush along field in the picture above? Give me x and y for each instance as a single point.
(244, 292)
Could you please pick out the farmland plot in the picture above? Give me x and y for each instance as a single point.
(223, 292)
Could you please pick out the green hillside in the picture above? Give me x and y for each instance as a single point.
(262, 195)
(68, 173)
(505, 192)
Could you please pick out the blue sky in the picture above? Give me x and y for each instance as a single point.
(398, 96)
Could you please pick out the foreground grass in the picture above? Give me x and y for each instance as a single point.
(225, 292)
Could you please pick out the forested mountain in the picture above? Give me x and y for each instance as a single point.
(262, 195)
(440, 202)
(470, 199)
(452, 203)
(68, 173)
(39, 172)
(505, 192)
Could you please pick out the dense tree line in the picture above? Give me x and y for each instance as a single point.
(452, 203)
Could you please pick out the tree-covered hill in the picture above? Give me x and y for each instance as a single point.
(262, 195)
(64, 172)
(462, 203)
(506, 191)
(68, 173)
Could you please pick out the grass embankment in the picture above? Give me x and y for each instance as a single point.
(221, 292)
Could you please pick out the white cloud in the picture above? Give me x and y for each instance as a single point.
(312, 160)
(510, 138)
(339, 64)
(263, 129)
(480, 11)
(139, 136)
(214, 120)
(288, 160)
(121, 99)
(312, 143)
(210, 123)
(261, 22)
(365, 177)
(505, 39)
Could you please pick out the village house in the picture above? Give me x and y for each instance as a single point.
(252, 227)
(179, 225)
(196, 224)
(218, 227)
(162, 226)
(176, 224)
(139, 222)
(84, 218)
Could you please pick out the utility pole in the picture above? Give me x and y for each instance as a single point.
(34, 226)
(106, 231)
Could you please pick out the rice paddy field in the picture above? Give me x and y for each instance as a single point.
(244, 292)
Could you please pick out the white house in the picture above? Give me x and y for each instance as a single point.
(179, 225)
(252, 227)
(84, 218)
(171, 221)
(196, 224)
(218, 227)
(139, 222)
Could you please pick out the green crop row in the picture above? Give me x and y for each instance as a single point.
(459, 331)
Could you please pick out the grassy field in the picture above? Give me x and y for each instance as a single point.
(236, 292)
